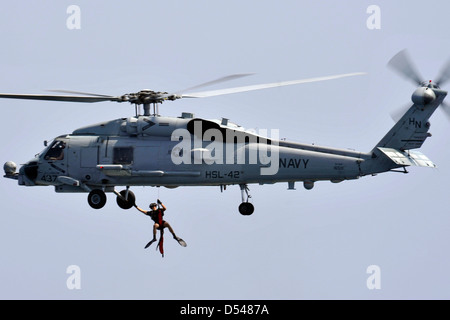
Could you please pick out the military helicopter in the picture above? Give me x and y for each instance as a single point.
(153, 150)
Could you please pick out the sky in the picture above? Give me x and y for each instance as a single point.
(302, 244)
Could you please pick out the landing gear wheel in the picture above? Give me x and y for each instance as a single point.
(246, 208)
(97, 199)
(126, 203)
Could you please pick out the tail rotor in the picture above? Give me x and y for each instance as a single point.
(425, 93)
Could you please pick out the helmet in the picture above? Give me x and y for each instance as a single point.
(153, 205)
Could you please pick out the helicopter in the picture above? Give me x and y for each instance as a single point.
(149, 149)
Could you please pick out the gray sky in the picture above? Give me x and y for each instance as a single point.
(298, 244)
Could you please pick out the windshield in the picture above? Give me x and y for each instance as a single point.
(56, 151)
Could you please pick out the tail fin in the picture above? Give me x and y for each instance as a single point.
(411, 131)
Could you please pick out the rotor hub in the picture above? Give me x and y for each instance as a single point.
(144, 97)
(430, 84)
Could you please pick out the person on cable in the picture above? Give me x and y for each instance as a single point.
(156, 214)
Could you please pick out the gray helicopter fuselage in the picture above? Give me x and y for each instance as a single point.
(143, 151)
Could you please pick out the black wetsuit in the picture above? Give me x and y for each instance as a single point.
(154, 215)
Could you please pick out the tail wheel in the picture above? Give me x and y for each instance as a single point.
(97, 199)
(126, 201)
(246, 208)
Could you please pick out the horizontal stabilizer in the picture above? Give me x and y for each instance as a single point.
(407, 158)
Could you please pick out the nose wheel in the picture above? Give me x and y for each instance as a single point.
(245, 208)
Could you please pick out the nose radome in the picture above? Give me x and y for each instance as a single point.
(10, 168)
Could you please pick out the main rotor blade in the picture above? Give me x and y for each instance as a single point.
(403, 65)
(57, 98)
(83, 93)
(213, 93)
(216, 81)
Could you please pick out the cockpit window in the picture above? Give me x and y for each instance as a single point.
(56, 151)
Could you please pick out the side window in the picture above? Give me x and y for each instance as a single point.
(56, 151)
(123, 155)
